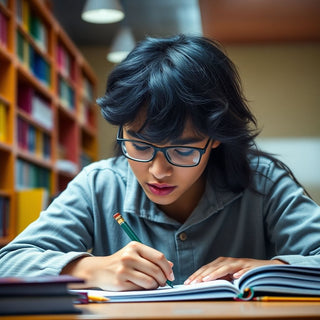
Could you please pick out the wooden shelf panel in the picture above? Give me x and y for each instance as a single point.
(69, 135)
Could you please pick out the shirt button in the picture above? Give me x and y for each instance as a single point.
(183, 236)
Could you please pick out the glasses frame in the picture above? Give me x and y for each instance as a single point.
(156, 149)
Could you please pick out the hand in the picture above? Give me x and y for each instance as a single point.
(227, 268)
(134, 267)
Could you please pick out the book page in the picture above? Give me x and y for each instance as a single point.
(218, 289)
(282, 279)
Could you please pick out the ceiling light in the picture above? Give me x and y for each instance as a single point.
(122, 44)
(102, 11)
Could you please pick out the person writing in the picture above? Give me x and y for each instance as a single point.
(187, 177)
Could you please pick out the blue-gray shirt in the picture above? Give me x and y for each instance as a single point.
(277, 221)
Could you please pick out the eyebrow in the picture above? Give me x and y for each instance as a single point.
(177, 141)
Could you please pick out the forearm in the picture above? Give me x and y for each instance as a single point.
(18, 260)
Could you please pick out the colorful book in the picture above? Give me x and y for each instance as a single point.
(39, 32)
(25, 94)
(65, 63)
(3, 122)
(30, 202)
(4, 215)
(3, 30)
(25, 14)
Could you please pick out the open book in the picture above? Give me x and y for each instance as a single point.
(266, 280)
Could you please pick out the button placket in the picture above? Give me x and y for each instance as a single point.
(183, 236)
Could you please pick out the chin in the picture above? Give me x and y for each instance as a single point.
(160, 200)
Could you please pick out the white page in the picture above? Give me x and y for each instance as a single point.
(205, 290)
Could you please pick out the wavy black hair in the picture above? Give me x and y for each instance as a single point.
(180, 78)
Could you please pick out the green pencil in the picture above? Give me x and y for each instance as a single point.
(128, 230)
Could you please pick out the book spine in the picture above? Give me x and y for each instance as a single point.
(3, 122)
(3, 30)
(25, 15)
(29, 175)
(33, 140)
(4, 216)
(66, 95)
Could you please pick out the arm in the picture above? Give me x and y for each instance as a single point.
(59, 242)
(134, 267)
(292, 224)
(61, 234)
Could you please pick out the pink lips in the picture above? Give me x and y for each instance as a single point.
(160, 189)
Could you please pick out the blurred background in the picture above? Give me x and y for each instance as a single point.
(275, 45)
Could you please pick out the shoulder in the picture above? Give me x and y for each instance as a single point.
(118, 165)
(106, 171)
(269, 172)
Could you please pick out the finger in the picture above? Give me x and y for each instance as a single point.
(205, 270)
(149, 261)
(142, 280)
(158, 259)
(135, 272)
(220, 268)
(198, 275)
(239, 273)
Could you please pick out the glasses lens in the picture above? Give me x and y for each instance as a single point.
(184, 156)
(137, 150)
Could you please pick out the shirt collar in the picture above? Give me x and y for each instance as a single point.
(212, 201)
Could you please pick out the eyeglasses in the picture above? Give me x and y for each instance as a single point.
(179, 156)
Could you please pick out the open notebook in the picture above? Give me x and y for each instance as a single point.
(266, 280)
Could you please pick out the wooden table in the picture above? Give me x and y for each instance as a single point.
(188, 310)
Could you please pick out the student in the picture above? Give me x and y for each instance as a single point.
(188, 178)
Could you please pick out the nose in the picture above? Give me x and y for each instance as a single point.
(160, 167)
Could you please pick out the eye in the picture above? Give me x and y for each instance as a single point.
(140, 146)
(184, 152)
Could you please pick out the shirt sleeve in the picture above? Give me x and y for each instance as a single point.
(61, 234)
(292, 219)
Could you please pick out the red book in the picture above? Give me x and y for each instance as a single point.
(25, 94)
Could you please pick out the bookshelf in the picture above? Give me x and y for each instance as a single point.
(48, 117)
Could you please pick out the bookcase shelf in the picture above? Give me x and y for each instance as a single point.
(48, 116)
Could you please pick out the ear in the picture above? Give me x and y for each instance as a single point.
(215, 144)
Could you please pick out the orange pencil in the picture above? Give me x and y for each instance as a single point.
(297, 299)
(97, 298)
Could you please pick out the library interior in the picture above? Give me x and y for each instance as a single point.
(54, 65)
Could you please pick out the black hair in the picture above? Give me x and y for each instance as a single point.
(180, 78)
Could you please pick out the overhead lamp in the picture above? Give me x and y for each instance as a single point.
(102, 11)
(122, 44)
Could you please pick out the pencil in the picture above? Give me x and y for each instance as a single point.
(128, 230)
(297, 299)
(97, 298)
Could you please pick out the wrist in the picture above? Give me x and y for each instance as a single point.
(79, 268)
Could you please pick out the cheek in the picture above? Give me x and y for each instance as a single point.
(139, 169)
(192, 174)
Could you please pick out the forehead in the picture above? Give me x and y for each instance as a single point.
(189, 134)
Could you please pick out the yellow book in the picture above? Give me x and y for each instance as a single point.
(30, 202)
(39, 144)
(25, 15)
(3, 122)
(26, 54)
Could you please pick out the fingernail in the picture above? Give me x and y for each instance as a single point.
(171, 276)
(206, 278)
(187, 281)
(195, 281)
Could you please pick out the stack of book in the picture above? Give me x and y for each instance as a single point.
(37, 295)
